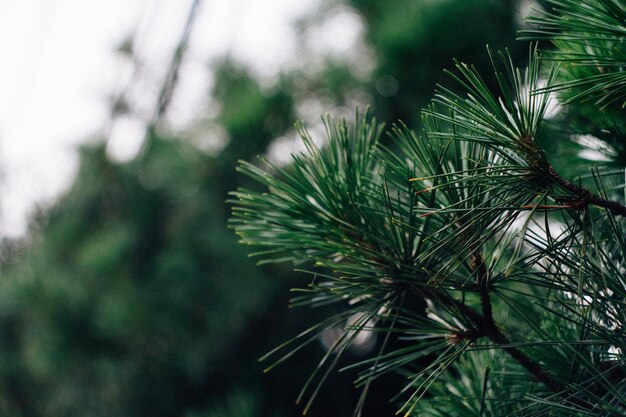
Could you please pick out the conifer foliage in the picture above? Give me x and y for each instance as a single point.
(495, 285)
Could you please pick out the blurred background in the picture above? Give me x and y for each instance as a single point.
(122, 291)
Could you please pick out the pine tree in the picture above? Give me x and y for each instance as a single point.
(494, 282)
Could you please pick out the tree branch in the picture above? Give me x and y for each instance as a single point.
(486, 327)
(586, 197)
(490, 330)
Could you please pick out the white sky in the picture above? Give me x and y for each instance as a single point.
(59, 67)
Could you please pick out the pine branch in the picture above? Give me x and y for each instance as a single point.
(420, 220)
(589, 40)
(491, 331)
(485, 326)
(495, 335)
(584, 197)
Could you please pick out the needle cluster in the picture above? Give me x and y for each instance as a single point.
(493, 285)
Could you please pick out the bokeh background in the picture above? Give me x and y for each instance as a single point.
(122, 290)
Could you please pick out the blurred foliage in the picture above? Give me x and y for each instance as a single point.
(132, 298)
(135, 300)
(421, 38)
(129, 302)
(413, 41)
(251, 117)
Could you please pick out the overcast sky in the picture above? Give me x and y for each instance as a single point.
(59, 67)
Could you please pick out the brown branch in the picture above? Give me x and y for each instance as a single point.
(486, 326)
(495, 335)
(586, 197)
(491, 331)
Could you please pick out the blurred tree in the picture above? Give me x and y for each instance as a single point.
(132, 298)
(412, 41)
(135, 300)
(415, 40)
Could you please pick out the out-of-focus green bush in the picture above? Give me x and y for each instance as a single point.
(132, 297)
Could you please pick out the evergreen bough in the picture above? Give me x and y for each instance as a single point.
(495, 285)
